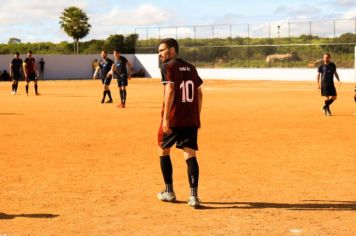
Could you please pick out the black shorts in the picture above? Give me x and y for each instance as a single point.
(183, 137)
(32, 77)
(328, 90)
(122, 81)
(17, 77)
(107, 80)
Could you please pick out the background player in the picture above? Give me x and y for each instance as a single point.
(42, 66)
(16, 72)
(30, 71)
(103, 69)
(327, 71)
(122, 73)
(180, 118)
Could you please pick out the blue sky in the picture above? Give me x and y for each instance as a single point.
(37, 20)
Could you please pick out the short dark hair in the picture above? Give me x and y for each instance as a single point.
(171, 43)
(117, 50)
(327, 53)
(29, 51)
(17, 53)
(104, 51)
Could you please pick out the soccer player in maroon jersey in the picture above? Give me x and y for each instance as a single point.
(30, 71)
(180, 118)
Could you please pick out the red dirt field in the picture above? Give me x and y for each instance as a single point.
(270, 162)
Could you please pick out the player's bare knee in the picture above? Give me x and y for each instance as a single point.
(189, 153)
(164, 152)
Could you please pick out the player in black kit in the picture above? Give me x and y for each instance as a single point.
(121, 70)
(16, 72)
(103, 70)
(325, 80)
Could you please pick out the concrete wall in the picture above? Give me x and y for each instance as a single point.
(79, 67)
(279, 74)
(63, 66)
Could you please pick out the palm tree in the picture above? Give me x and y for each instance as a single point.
(74, 21)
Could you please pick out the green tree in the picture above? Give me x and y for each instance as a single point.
(74, 22)
(115, 41)
(14, 41)
(130, 43)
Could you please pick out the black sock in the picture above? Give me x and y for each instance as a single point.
(16, 86)
(104, 95)
(36, 88)
(13, 87)
(193, 175)
(121, 95)
(124, 96)
(109, 94)
(167, 171)
(27, 88)
(355, 99)
(328, 102)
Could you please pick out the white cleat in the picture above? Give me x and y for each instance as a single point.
(167, 196)
(194, 202)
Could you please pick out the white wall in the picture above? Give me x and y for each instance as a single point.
(281, 74)
(79, 67)
(63, 66)
(277, 74)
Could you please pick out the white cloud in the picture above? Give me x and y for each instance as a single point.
(146, 14)
(301, 12)
(350, 13)
(35, 20)
(346, 3)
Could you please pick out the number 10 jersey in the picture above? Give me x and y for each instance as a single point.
(185, 107)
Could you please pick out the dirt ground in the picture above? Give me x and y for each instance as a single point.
(270, 162)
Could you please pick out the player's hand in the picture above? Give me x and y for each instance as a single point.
(165, 126)
(340, 83)
(319, 86)
(129, 78)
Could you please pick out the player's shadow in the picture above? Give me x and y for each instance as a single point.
(10, 114)
(306, 205)
(67, 95)
(4, 216)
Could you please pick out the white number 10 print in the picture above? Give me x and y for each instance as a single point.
(187, 88)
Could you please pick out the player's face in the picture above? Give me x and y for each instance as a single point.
(116, 54)
(326, 58)
(104, 54)
(17, 56)
(164, 53)
(29, 54)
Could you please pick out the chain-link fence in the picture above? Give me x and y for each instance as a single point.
(277, 44)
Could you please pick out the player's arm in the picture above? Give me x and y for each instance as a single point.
(10, 70)
(318, 80)
(200, 99)
(112, 71)
(96, 72)
(36, 70)
(168, 102)
(337, 77)
(129, 67)
(24, 70)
